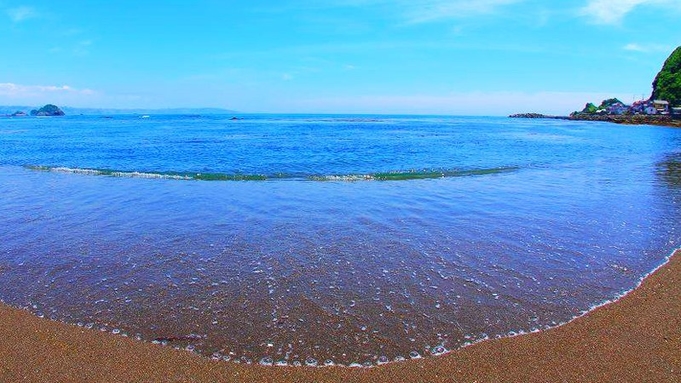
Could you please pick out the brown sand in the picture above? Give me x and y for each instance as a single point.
(637, 339)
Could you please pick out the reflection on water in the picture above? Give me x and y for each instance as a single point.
(669, 170)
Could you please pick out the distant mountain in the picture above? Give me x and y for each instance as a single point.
(667, 83)
(72, 111)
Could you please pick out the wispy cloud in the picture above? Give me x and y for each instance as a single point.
(12, 90)
(648, 48)
(614, 11)
(434, 10)
(82, 47)
(22, 13)
(425, 11)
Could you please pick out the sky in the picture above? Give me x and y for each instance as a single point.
(482, 57)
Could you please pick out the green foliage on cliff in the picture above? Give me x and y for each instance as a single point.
(609, 102)
(589, 108)
(667, 84)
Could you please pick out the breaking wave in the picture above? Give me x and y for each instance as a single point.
(194, 176)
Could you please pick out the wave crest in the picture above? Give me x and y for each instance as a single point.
(188, 176)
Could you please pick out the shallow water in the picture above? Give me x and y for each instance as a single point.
(357, 239)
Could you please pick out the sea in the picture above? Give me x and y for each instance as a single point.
(316, 240)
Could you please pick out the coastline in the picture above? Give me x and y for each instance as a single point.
(659, 120)
(636, 338)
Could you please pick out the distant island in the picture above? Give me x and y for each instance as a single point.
(48, 110)
(662, 108)
(20, 111)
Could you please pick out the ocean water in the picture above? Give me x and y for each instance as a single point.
(316, 239)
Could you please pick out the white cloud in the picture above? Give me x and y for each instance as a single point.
(81, 48)
(22, 92)
(614, 11)
(20, 14)
(648, 48)
(62, 95)
(427, 10)
(634, 47)
(432, 10)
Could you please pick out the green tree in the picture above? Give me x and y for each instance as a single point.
(589, 108)
(609, 102)
(667, 83)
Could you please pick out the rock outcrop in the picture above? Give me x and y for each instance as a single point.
(48, 110)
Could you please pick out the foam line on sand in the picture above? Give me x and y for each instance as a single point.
(635, 339)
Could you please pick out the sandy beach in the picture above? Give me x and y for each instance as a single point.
(636, 339)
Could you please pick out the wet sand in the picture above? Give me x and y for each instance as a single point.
(636, 339)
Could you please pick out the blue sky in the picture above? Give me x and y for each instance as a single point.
(483, 57)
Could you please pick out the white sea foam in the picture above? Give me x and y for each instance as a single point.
(267, 361)
(381, 360)
(512, 334)
(122, 174)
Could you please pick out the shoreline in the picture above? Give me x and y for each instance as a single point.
(658, 120)
(637, 337)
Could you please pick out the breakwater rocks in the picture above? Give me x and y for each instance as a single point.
(537, 115)
(638, 119)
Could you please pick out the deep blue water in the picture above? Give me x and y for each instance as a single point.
(348, 238)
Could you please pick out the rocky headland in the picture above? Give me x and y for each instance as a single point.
(662, 108)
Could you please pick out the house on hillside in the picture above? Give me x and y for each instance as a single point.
(617, 108)
(638, 107)
(643, 107)
(661, 106)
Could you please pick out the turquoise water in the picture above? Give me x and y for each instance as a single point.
(329, 239)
